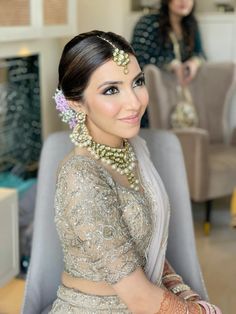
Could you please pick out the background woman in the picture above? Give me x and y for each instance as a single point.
(170, 39)
(106, 214)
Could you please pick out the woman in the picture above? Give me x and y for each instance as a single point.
(170, 39)
(108, 192)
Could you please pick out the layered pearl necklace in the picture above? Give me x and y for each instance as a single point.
(120, 159)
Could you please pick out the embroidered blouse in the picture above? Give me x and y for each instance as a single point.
(104, 228)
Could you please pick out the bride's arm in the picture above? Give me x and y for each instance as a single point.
(143, 297)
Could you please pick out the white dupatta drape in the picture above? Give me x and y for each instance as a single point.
(161, 211)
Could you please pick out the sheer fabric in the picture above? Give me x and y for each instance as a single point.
(105, 229)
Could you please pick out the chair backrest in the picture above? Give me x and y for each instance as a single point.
(46, 259)
(46, 262)
(212, 91)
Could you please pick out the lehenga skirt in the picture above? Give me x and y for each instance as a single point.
(72, 301)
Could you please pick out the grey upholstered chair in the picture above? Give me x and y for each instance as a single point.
(209, 150)
(46, 260)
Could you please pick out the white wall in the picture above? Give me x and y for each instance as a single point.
(209, 5)
(218, 35)
(105, 15)
(205, 5)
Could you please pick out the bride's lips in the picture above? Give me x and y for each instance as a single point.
(132, 119)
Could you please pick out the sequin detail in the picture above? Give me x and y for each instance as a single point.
(70, 301)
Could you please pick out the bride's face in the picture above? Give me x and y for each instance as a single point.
(181, 7)
(115, 102)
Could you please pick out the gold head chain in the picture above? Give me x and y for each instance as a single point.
(120, 57)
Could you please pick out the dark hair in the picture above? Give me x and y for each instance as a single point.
(188, 23)
(81, 56)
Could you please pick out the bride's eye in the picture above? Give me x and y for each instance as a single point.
(140, 81)
(111, 90)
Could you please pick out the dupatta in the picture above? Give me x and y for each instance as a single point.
(156, 251)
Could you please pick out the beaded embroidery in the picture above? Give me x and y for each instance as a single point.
(120, 57)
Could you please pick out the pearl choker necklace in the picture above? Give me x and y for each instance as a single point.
(120, 159)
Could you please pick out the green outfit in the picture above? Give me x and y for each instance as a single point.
(150, 48)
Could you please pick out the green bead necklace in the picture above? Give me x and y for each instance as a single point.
(121, 160)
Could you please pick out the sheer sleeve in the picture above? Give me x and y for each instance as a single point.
(93, 212)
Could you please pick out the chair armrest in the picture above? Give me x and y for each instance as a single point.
(195, 146)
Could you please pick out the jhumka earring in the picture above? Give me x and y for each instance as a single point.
(120, 57)
(80, 135)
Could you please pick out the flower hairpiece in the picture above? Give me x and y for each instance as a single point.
(67, 114)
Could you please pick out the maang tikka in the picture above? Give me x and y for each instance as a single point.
(120, 57)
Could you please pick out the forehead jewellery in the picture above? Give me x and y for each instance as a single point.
(120, 57)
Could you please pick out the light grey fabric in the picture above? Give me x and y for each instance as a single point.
(47, 309)
(46, 260)
(26, 217)
(46, 257)
(166, 154)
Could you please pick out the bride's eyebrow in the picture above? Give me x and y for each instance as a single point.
(110, 83)
(119, 82)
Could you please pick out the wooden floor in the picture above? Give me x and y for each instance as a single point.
(11, 296)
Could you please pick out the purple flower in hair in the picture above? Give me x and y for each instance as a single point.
(67, 114)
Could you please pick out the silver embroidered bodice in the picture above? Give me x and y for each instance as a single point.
(104, 228)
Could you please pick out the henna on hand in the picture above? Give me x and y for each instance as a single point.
(172, 304)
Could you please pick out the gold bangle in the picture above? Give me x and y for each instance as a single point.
(194, 307)
(180, 288)
(171, 275)
(200, 308)
(188, 295)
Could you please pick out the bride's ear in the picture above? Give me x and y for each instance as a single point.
(76, 106)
